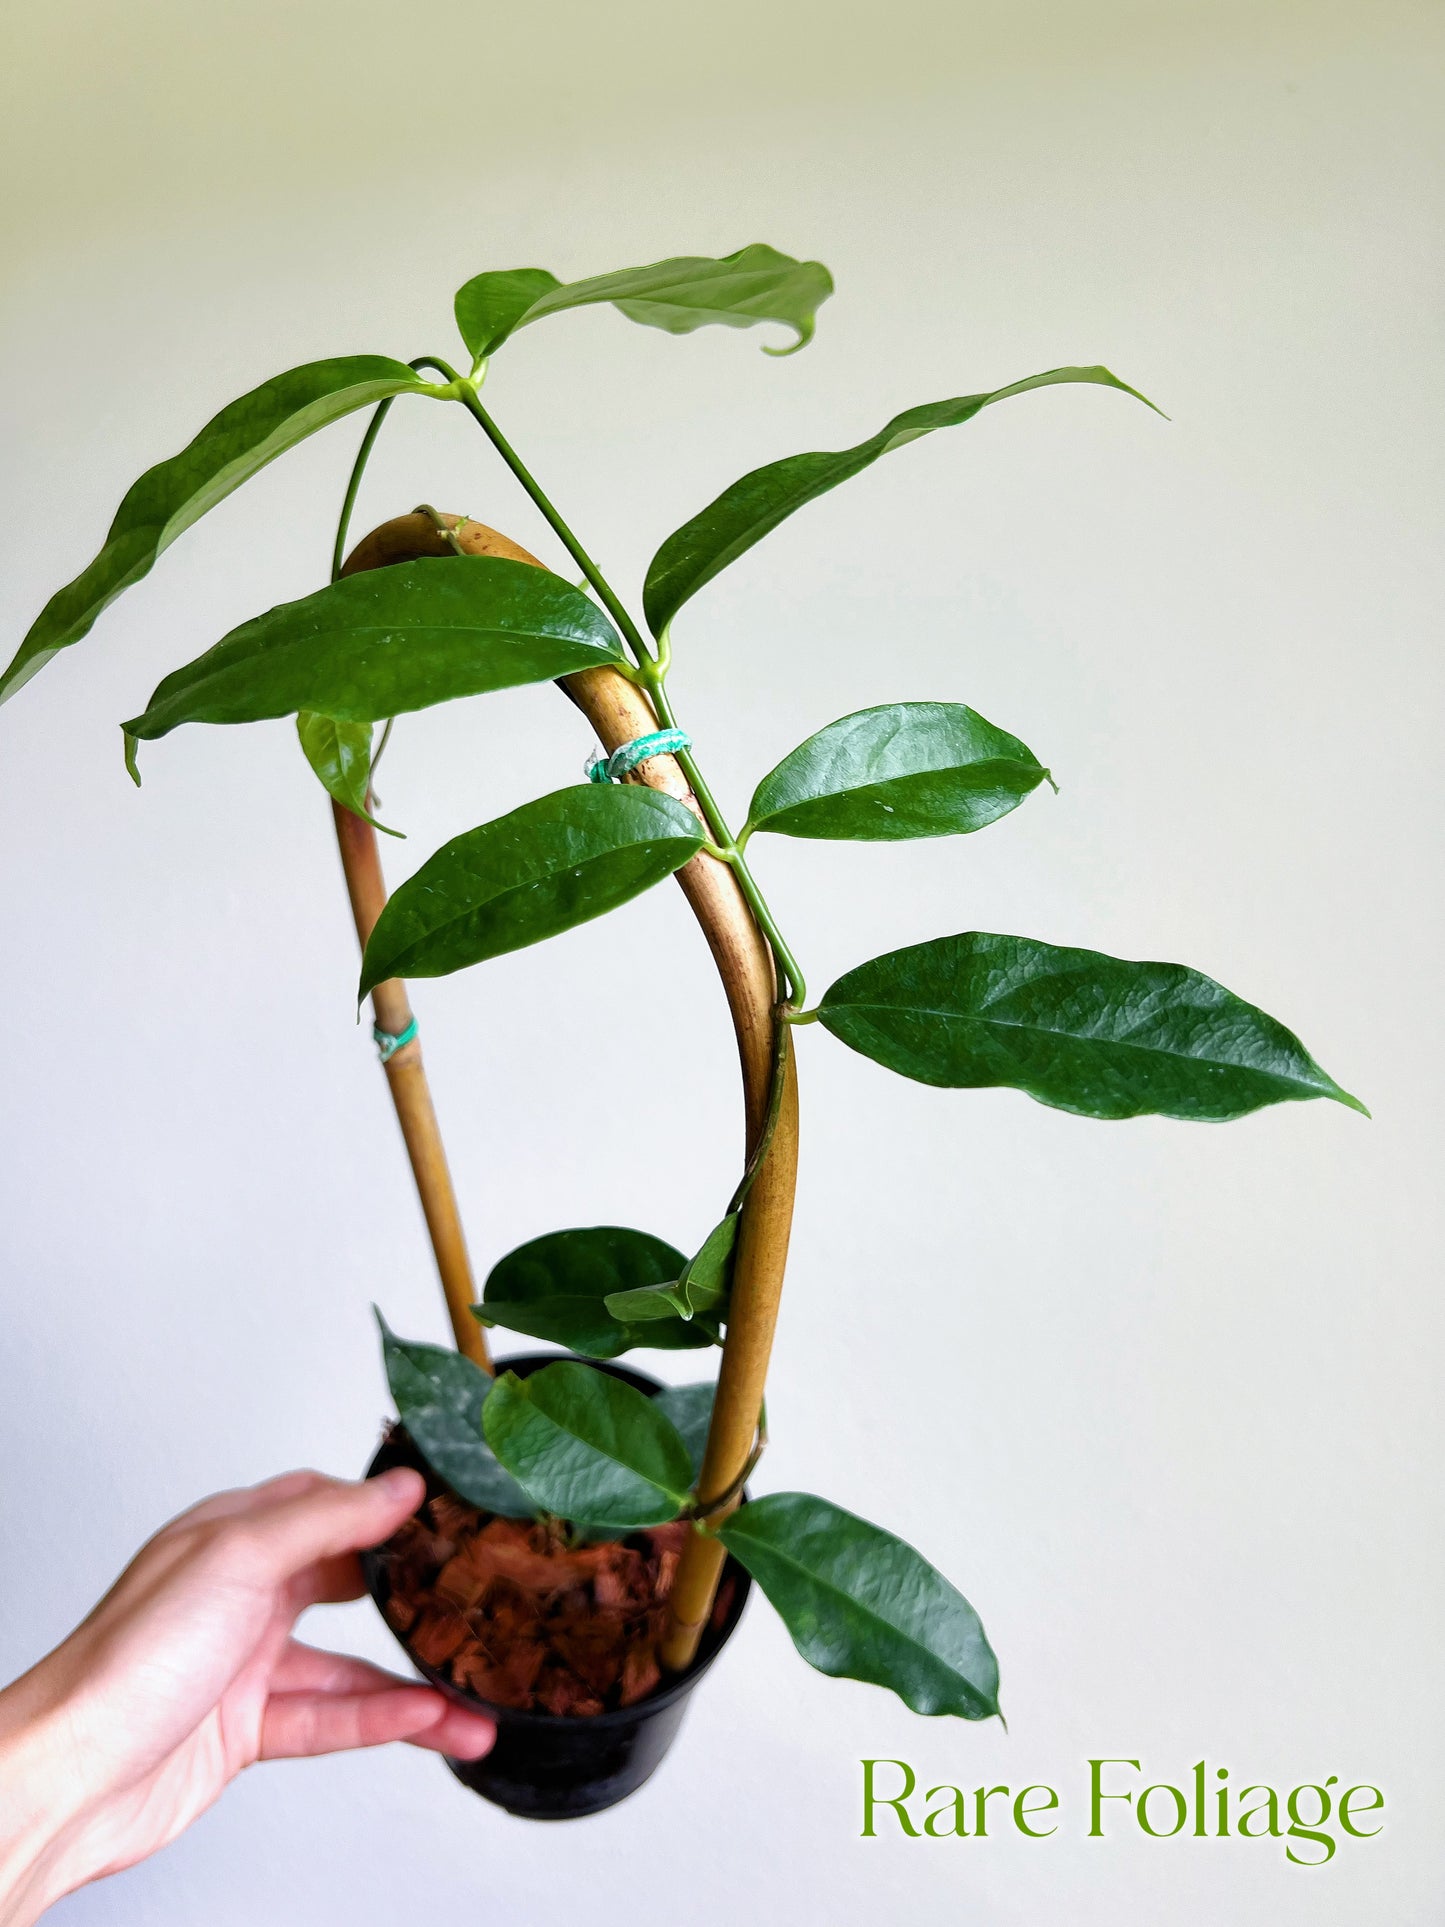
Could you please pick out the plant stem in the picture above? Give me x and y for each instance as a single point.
(358, 469)
(609, 599)
(363, 456)
(654, 679)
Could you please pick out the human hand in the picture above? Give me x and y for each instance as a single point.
(186, 1672)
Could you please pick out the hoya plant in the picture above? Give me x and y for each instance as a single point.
(433, 607)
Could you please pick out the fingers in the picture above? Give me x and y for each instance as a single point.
(246, 1498)
(306, 1669)
(292, 1530)
(460, 1733)
(300, 1725)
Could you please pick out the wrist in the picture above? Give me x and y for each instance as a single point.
(37, 1801)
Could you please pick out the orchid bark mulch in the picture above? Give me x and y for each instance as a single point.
(504, 1609)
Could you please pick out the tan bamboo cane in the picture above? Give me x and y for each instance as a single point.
(411, 1094)
(620, 712)
(407, 1079)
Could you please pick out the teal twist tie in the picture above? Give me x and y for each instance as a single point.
(658, 742)
(387, 1044)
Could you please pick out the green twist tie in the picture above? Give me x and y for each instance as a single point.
(658, 742)
(388, 1045)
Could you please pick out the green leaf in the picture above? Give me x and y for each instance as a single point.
(492, 306)
(544, 868)
(690, 1409)
(861, 1604)
(692, 291)
(387, 641)
(588, 1447)
(1075, 1029)
(700, 1288)
(555, 1287)
(440, 1397)
(340, 754)
(170, 497)
(753, 506)
(902, 770)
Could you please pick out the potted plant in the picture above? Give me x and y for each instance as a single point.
(585, 1546)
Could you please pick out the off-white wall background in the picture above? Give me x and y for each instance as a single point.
(1162, 1399)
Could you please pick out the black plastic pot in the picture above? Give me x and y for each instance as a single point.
(554, 1766)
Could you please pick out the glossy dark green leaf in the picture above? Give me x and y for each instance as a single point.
(902, 770)
(340, 755)
(546, 867)
(588, 1447)
(861, 1604)
(1075, 1029)
(555, 1287)
(691, 291)
(387, 641)
(170, 497)
(754, 505)
(690, 1409)
(699, 1289)
(439, 1399)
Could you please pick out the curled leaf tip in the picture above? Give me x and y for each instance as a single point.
(805, 335)
(132, 744)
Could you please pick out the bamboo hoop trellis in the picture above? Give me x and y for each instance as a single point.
(620, 712)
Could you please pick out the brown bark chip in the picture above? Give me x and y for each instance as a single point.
(503, 1608)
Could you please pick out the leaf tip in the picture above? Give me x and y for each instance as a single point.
(805, 335)
(1351, 1103)
(132, 745)
(1138, 396)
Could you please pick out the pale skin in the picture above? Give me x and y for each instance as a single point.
(187, 1672)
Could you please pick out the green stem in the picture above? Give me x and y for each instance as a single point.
(579, 555)
(363, 456)
(653, 677)
(795, 991)
(775, 1105)
(358, 469)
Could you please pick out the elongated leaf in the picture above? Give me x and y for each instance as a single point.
(340, 754)
(439, 1398)
(544, 868)
(170, 497)
(588, 1447)
(692, 291)
(387, 641)
(902, 770)
(690, 1409)
(555, 1287)
(1075, 1029)
(699, 1289)
(861, 1604)
(754, 505)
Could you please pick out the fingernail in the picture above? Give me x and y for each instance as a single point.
(401, 1482)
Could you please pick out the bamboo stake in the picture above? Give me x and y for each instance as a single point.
(407, 1079)
(619, 712)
